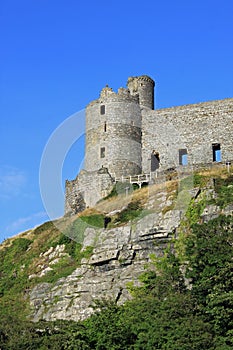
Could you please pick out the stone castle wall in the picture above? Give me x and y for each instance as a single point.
(143, 87)
(87, 189)
(124, 136)
(113, 135)
(195, 128)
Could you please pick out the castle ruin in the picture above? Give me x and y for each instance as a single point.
(125, 136)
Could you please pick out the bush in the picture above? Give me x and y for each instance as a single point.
(132, 211)
(95, 220)
(224, 189)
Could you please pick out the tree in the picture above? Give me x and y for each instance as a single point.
(209, 251)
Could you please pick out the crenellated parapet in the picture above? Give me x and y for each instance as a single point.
(143, 87)
(127, 137)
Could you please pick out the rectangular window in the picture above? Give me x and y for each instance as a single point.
(216, 148)
(105, 126)
(183, 157)
(102, 109)
(102, 152)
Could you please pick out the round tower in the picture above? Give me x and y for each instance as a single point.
(142, 86)
(113, 133)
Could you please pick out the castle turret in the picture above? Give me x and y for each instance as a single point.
(113, 133)
(142, 86)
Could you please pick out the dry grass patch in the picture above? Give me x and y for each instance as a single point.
(219, 171)
(142, 196)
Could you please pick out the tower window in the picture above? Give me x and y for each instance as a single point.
(183, 157)
(102, 109)
(102, 152)
(216, 148)
(155, 160)
(105, 126)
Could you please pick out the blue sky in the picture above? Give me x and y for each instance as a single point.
(57, 55)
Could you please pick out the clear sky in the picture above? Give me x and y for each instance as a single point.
(56, 55)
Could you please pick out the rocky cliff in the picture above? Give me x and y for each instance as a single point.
(63, 275)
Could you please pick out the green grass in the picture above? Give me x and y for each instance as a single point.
(130, 213)
(49, 225)
(95, 220)
(224, 189)
(200, 180)
(194, 211)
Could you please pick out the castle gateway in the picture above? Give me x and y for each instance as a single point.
(125, 137)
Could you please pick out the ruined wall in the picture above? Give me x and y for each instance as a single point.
(123, 131)
(192, 127)
(86, 190)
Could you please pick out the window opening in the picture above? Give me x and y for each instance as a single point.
(102, 152)
(183, 157)
(102, 109)
(155, 160)
(217, 156)
(105, 126)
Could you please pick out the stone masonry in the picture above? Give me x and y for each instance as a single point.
(126, 136)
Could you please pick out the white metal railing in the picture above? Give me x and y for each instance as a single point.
(134, 179)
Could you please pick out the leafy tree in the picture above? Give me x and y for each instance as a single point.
(169, 324)
(107, 329)
(210, 251)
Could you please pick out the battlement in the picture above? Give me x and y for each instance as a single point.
(140, 78)
(143, 87)
(126, 137)
(107, 95)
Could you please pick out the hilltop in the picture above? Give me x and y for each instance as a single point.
(59, 269)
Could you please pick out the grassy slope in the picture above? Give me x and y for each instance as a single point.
(24, 255)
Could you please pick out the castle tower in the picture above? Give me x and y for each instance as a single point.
(142, 86)
(113, 133)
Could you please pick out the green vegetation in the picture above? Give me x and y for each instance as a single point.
(95, 220)
(49, 225)
(185, 300)
(224, 189)
(163, 313)
(194, 211)
(200, 180)
(133, 210)
(23, 257)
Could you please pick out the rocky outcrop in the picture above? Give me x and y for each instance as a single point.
(119, 257)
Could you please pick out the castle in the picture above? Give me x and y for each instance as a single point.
(125, 136)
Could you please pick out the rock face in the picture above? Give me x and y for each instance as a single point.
(119, 257)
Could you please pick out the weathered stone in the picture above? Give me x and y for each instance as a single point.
(119, 257)
(210, 212)
(45, 271)
(126, 136)
(104, 256)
